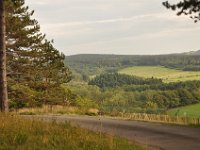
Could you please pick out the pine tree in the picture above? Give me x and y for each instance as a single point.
(23, 36)
(3, 79)
(32, 60)
(30, 54)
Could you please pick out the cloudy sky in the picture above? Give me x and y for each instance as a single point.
(115, 26)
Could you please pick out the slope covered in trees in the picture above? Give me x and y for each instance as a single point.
(95, 64)
(135, 94)
(119, 94)
(155, 98)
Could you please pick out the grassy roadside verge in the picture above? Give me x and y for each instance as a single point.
(21, 134)
(156, 118)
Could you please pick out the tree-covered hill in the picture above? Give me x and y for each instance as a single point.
(93, 64)
(193, 53)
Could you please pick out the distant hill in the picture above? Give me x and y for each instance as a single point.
(92, 64)
(193, 53)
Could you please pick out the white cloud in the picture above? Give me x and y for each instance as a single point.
(80, 26)
(133, 18)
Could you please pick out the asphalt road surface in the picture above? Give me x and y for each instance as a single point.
(154, 136)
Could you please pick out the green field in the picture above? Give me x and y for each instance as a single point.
(168, 75)
(187, 111)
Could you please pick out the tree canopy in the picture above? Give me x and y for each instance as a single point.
(186, 7)
(115, 79)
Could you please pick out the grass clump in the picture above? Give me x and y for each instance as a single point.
(17, 133)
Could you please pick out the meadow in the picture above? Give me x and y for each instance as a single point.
(166, 74)
(17, 133)
(192, 111)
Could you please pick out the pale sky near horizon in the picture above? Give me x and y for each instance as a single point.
(115, 26)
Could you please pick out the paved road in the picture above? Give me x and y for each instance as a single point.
(154, 136)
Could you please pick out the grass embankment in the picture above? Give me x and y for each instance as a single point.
(57, 110)
(192, 111)
(166, 74)
(21, 134)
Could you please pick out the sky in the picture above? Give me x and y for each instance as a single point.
(115, 27)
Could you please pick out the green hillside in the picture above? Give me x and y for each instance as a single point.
(85, 66)
(166, 74)
(189, 111)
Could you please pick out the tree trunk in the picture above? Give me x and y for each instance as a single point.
(3, 78)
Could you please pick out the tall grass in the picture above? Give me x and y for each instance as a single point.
(25, 134)
(57, 110)
(46, 109)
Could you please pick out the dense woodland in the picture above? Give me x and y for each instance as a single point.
(117, 80)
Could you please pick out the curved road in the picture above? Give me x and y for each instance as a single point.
(154, 136)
